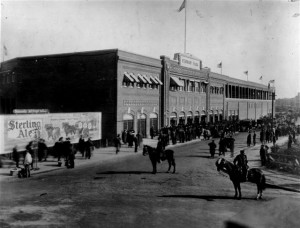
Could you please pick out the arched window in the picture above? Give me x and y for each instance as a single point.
(127, 122)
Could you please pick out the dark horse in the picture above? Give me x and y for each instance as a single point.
(253, 175)
(155, 157)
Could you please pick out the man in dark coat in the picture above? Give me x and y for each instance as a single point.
(124, 136)
(16, 156)
(152, 132)
(42, 150)
(222, 146)
(241, 163)
(249, 139)
(254, 138)
(67, 150)
(89, 146)
(81, 145)
(117, 142)
(58, 148)
(212, 148)
(160, 148)
(262, 153)
(231, 145)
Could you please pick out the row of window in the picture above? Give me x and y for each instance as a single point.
(6, 79)
(139, 85)
(196, 88)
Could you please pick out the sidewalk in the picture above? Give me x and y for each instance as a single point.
(99, 155)
(274, 178)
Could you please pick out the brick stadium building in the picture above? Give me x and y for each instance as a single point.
(132, 91)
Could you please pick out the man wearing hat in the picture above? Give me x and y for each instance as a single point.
(241, 162)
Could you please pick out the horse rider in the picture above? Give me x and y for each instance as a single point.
(241, 162)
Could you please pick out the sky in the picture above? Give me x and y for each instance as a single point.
(261, 37)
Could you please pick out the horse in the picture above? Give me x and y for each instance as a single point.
(254, 175)
(155, 157)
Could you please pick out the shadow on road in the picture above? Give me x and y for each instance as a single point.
(124, 172)
(198, 156)
(53, 165)
(289, 187)
(205, 197)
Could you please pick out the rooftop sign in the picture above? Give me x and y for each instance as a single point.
(187, 60)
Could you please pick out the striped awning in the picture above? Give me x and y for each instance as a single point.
(148, 80)
(176, 81)
(127, 77)
(134, 77)
(157, 79)
(142, 78)
(153, 80)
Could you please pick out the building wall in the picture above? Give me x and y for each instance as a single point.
(133, 100)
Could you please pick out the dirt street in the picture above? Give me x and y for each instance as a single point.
(124, 193)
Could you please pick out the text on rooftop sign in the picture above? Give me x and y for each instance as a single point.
(189, 62)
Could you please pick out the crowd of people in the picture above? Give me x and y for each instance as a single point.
(63, 150)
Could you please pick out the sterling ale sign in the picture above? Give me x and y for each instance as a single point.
(187, 60)
(19, 130)
(24, 128)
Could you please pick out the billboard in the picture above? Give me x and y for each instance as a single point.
(21, 129)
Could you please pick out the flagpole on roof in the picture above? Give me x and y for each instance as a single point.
(185, 4)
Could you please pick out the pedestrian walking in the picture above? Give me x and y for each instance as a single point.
(42, 150)
(262, 153)
(15, 155)
(27, 163)
(67, 150)
(152, 132)
(222, 147)
(117, 142)
(29, 148)
(212, 148)
(249, 139)
(124, 136)
(71, 157)
(254, 138)
(81, 145)
(231, 145)
(59, 150)
(89, 147)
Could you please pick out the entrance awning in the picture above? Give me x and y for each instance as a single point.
(127, 77)
(175, 81)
